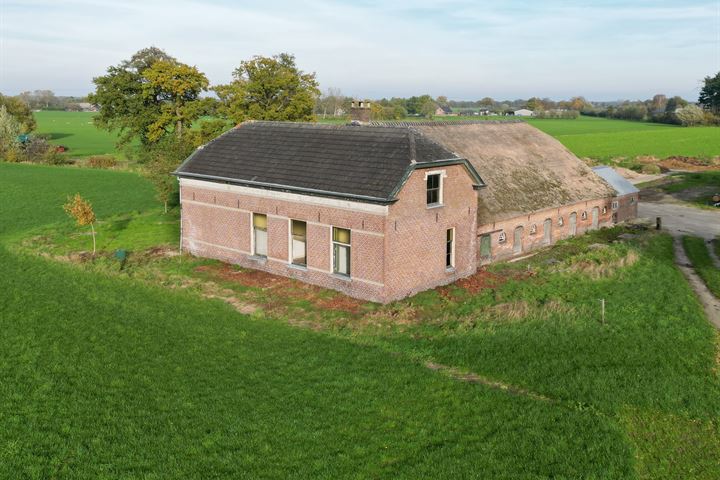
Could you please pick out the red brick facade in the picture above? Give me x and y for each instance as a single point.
(396, 250)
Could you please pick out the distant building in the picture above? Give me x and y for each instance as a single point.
(444, 111)
(87, 107)
(523, 112)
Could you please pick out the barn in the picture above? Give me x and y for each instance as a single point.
(381, 211)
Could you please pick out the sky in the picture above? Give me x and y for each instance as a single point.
(603, 50)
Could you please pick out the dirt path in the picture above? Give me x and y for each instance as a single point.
(710, 303)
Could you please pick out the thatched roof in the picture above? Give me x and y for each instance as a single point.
(525, 169)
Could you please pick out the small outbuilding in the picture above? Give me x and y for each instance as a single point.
(624, 204)
(523, 112)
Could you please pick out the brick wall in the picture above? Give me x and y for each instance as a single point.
(627, 207)
(415, 236)
(216, 223)
(558, 229)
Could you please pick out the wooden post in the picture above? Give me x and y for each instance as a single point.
(602, 310)
(658, 223)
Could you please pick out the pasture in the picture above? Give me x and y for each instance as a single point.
(592, 137)
(109, 373)
(76, 131)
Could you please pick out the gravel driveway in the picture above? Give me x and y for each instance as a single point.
(683, 220)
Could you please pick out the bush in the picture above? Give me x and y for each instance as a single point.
(39, 150)
(650, 169)
(101, 161)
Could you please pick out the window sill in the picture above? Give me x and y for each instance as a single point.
(340, 276)
(259, 258)
(302, 268)
(434, 205)
(449, 269)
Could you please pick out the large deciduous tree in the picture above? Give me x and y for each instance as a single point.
(269, 88)
(177, 87)
(147, 96)
(160, 161)
(710, 94)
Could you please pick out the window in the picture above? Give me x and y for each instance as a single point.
(341, 251)
(260, 234)
(615, 205)
(298, 242)
(502, 237)
(485, 247)
(450, 248)
(632, 200)
(433, 189)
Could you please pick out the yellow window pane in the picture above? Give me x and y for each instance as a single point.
(299, 228)
(259, 220)
(341, 235)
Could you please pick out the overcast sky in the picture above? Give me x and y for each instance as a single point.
(604, 50)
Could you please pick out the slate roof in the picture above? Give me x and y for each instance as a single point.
(621, 185)
(363, 162)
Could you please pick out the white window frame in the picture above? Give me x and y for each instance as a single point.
(451, 266)
(252, 235)
(442, 174)
(332, 252)
(291, 257)
(615, 205)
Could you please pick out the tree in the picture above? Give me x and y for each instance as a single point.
(269, 88)
(16, 107)
(690, 115)
(177, 87)
(710, 94)
(674, 103)
(9, 131)
(141, 108)
(331, 102)
(428, 108)
(161, 160)
(442, 100)
(81, 210)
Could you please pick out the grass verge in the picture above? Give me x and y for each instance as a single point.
(697, 251)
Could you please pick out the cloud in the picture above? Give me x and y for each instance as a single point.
(462, 49)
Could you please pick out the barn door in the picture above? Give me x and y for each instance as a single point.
(573, 223)
(517, 240)
(547, 231)
(595, 218)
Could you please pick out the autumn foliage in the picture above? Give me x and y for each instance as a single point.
(81, 210)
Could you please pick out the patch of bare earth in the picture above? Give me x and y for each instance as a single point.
(285, 287)
(690, 164)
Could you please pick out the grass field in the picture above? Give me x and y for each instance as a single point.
(697, 252)
(76, 131)
(105, 374)
(598, 138)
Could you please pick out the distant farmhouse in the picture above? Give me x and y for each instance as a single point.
(523, 112)
(384, 210)
(444, 110)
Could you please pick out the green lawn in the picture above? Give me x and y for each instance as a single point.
(697, 251)
(76, 131)
(105, 374)
(598, 138)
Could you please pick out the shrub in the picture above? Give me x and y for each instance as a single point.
(650, 169)
(102, 161)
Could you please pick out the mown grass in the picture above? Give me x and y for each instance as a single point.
(597, 138)
(76, 131)
(107, 376)
(697, 251)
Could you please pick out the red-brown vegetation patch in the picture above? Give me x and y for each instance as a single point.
(285, 287)
(480, 280)
(691, 164)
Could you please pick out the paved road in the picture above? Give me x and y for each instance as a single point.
(683, 220)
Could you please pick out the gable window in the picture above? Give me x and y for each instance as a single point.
(434, 189)
(260, 234)
(450, 248)
(298, 242)
(615, 205)
(341, 251)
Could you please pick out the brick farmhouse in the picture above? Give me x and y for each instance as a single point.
(382, 211)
